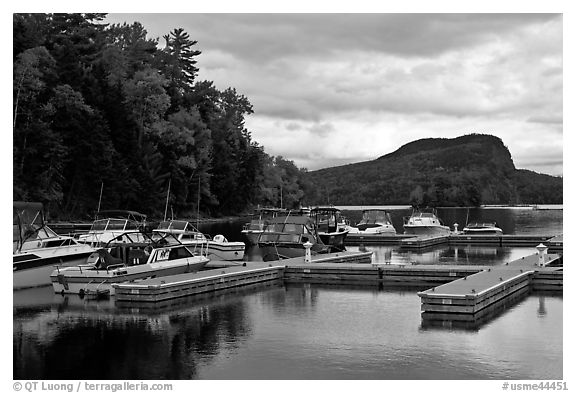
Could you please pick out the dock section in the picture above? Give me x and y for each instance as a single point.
(555, 243)
(468, 296)
(217, 279)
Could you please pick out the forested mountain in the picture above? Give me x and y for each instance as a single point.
(467, 171)
(103, 107)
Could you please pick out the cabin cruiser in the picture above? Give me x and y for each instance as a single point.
(254, 228)
(128, 257)
(37, 249)
(284, 237)
(219, 248)
(482, 228)
(425, 222)
(374, 222)
(110, 224)
(331, 226)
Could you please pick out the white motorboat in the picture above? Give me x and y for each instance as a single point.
(37, 248)
(255, 227)
(129, 257)
(219, 248)
(374, 222)
(110, 224)
(482, 228)
(425, 222)
(331, 226)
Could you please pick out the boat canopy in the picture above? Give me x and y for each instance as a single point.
(27, 218)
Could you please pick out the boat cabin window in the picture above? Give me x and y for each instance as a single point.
(288, 238)
(293, 228)
(170, 254)
(57, 243)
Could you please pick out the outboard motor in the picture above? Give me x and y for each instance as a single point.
(220, 239)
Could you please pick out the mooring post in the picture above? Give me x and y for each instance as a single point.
(541, 252)
(455, 227)
(308, 257)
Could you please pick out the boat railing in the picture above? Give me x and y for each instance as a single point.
(115, 266)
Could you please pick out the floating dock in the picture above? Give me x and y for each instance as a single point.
(466, 297)
(555, 243)
(424, 241)
(220, 278)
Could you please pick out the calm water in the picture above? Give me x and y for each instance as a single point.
(280, 331)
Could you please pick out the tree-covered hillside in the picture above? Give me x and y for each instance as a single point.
(467, 171)
(101, 106)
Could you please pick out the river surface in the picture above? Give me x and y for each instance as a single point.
(289, 331)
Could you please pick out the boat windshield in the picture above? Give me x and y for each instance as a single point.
(99, 225)
(285, 228)
(279, 238)
(174, 225)
(375, 217)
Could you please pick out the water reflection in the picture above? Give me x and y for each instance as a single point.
(461, 254)
(289, 331)
(79, 339)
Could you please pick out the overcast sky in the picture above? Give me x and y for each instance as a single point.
(332, 89)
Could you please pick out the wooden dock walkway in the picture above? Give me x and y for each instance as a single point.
(216, 278)
(473, 293)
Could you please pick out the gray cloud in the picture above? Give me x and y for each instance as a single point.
(267, 37)
(337, 77)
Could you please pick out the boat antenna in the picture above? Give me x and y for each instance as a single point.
(100, 199)
(467, 211)
(167, 198)
(198, 208)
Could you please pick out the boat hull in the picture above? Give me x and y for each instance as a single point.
(379, 230)
(79, 280)
(231, 251)
(271, 252)
(32, 270)
(334, 239)
(487, 231)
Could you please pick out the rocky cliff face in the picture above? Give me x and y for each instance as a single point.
(465, 171)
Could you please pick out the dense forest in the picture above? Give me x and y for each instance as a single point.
(470, 170)
(103, 113)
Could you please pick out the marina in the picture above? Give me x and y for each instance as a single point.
(383, 276)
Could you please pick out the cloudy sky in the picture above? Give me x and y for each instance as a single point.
(331, 89)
